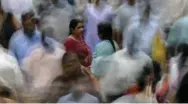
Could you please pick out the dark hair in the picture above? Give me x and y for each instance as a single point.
(183, 48)
(89, 1)
(9, 17)
(105, 30)
(157, 74)
(73, 24)
(182, 91)
(131, 2)
(71, 2)
(27, 15)
(7, 30)
(141, 79)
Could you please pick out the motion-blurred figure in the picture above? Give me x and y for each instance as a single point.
(146, 19)
(24, 38)
(93, 15)
(12, 83)
(78, 84)
(106, 47)
(76, 44)
(118, 76)
(124, 14)
(43, 64)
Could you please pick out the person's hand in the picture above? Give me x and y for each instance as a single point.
(88, 59)
(148, 92)
(87, 71)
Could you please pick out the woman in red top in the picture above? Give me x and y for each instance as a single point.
(76, 44)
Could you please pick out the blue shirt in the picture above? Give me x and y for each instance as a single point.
(20, 44)
(105, 49)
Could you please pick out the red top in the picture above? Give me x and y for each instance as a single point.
(80, 48)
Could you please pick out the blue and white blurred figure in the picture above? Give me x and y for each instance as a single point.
(94, 14)
(149, 26)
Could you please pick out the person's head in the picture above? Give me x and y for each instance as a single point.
(177, 35)
(134, 41)
(105, 31)
(55, 1)
(181, 96)
(28, 22)
(47, 37)
(99, 2)
(131, 2)
(145, 78)
(76, 27)
(71, 2)
(71, 65)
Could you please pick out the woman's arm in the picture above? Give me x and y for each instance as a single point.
(92, 78)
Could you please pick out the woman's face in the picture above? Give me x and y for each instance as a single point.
(79, 29)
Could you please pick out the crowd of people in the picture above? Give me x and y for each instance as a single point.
(101, 52)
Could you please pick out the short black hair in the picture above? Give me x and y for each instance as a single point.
(105, 31)
(27, 15)
(141, 79)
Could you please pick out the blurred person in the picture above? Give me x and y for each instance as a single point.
(41, 5)
(52, 17)
(80, 6)
(177, 69)
(9, 26)
(177, 35)
(77, 85)
(64, 4)
(123, 18)
(107, 46)
(157, 74)
(24, 38)
(76, 44)
(147, 20)
(68, 7)
(123, 77)
(95, 13)
(177, 43)
(177, 72)
(145, 94)
(12, 83)
(121, 70)
(43, 64)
